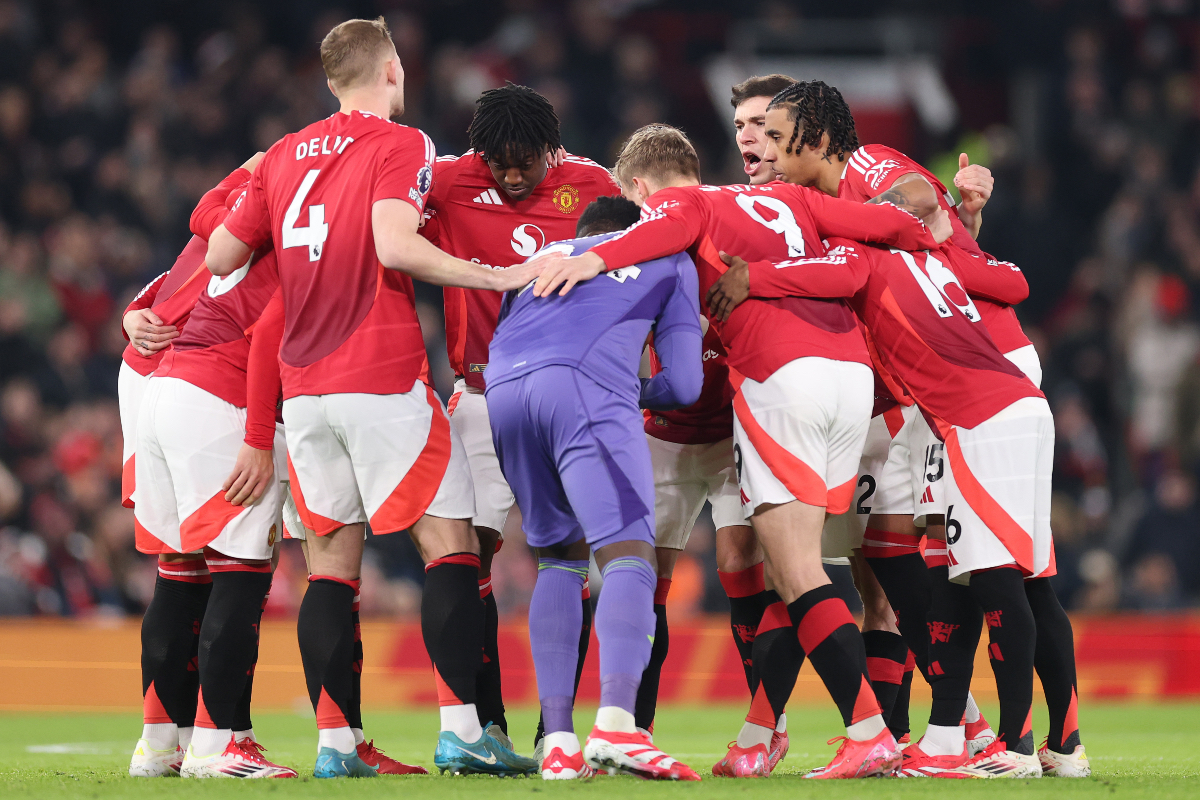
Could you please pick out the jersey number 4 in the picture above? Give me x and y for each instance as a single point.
(313, 237)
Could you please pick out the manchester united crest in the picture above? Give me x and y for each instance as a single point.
(566, 198)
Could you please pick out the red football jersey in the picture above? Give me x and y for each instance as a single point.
(927, 331)
(212, 352)
(871, 170)
(709, 419)
(171, 296)
(470, 217)
(771, 222)
(350, 324)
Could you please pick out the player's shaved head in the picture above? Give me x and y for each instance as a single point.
(657, 152)
(606, 215)
(353, 52)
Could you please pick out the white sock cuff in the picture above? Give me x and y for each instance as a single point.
(566, 741)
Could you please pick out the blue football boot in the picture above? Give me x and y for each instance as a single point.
(488, 756)
(332, 764)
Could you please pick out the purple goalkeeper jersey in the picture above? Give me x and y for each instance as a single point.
(600, 328)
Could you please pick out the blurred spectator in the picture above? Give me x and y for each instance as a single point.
(112, 127)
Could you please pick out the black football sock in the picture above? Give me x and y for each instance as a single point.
(325, 631)
(905, 581)
(647, 695)
(354, 715)
(952, 632)
(776, 658)
(241, 715)
(452, 625)
(1012, 634)
(834, 645)
(229, 642)
(1054, 659)
(886, 654)
(747, 601)
(585, 637)
(899, 724)
(489, 696)
(170, 638)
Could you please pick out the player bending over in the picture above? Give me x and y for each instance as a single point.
(497, 204)
(171, 624)
(891, 541)
(564, 397)
(368, 439)
(801, 410)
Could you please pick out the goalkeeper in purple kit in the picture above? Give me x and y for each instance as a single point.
(565, 402)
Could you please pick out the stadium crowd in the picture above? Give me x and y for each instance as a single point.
(109, 141)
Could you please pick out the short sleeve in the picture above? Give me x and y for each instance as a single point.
(407, 171)
(250, 220)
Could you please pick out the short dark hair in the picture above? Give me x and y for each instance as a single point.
(607, 214)
(818, 108)
(759, 86)
(513, 122)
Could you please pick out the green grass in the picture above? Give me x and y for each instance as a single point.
(1136, 750)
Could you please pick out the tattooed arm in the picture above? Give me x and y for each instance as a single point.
(912, 193)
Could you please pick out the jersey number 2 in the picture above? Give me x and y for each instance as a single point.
(313, 237)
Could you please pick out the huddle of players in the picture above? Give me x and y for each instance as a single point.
(783, 411)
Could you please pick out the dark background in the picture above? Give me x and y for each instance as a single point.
(116, 116)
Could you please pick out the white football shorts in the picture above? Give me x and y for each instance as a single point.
(385, 459)
(131, 388)
(799, 434)
(685, 475)
(997, 483)
(470, 420)
(889, 480)
(1027, 360)
(187, 445)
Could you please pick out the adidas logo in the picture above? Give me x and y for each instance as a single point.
(490, 198)
(927, 495)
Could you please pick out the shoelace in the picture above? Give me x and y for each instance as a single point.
(371, 751)
(845, 742)
(252, 750)
(986, 753)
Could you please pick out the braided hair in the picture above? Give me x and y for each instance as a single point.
(513, 122)
(818, 108)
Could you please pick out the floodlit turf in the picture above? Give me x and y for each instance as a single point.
(1150, 751)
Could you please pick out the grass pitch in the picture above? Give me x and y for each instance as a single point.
(1136, 750)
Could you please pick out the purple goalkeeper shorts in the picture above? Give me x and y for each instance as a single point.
(576, 458)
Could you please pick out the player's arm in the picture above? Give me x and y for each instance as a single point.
(912, 192)
(213, 206)
(247, 228)
(142, 327)
(678, 344)
(255, 465)
(974, 183)
(401, 247)
(991, 279)
(839, 273)
(671, 228)
(880, 223)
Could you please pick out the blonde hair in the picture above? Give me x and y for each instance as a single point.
(658, 152)
(352, 51)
